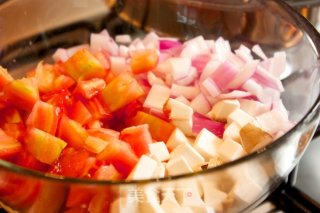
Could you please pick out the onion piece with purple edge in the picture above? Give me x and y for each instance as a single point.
(200, 122)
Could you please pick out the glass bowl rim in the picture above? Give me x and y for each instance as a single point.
(301, 22)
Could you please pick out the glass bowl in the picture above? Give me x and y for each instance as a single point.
(30, 31)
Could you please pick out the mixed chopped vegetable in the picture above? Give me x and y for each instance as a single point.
(122, 109)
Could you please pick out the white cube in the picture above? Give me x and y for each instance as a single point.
(160, 171)
(176, 138)
(178, 166)
(159, 150)
(233, 132)
(184, 125)
(207, 144)
(230, 150)
(191, 155)
(157, 97)
(222, 109)
(179, 110)
(144, 169)
(240, 117)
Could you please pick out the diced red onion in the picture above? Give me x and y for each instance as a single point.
(245, 73)
(200, 122)
(118, 65)
(179, 67)
(189, 79)
(188, 92)
(265, 78)
(168, 44)
(200, 104)
(61, 54)
(257, 50)
(278, 64)
(74, 49)
(210, 67)
(225, 73)
(153, 79)
(200, 61)
(210, 87)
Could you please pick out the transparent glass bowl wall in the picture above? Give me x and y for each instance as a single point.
(245, 182)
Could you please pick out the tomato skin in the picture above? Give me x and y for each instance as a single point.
(121, 91)
(160, 130)
(44, 116)
(72, 132)
(83, 66)
(120, 155)
(22, 93)
(144, 60)
(138, 137)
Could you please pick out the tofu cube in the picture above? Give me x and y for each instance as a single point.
(184, 125)
(245, 190)
(182, 99)
(157, 97)
(207, 144)
(124, 205)
(179, 110)
(178, 166)
(202, 209)
(176, 138)
(160, 171)
(144, 169)
(169, 202)
(191, 155)
(253, 108)
(232, 131)
(151, 201)
(213, 196)
(240, 117)
(230, 150)
(159, 150)
(222, 109)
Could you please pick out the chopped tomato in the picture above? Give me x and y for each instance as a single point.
(160, 130)
(120, 155)
(62, 99)
(83, 66)
(49, 80)
(80, 113)
(95, 144)
(121, 91)
(44, 116)
(104, 58)
(25, 159)
(107, 172)
(22, 93)
(43, 146)
(90, 88)
(12, 115)
(144, 60)
(72, 132)
(104, 134)
(9, 146)
(15, 130)
(18, 191)
(101, 202)
(5, 77)
(138, 137)
(96, 109)
(79, 196)
(74, 163)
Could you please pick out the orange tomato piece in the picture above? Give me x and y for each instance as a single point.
(144, 60)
